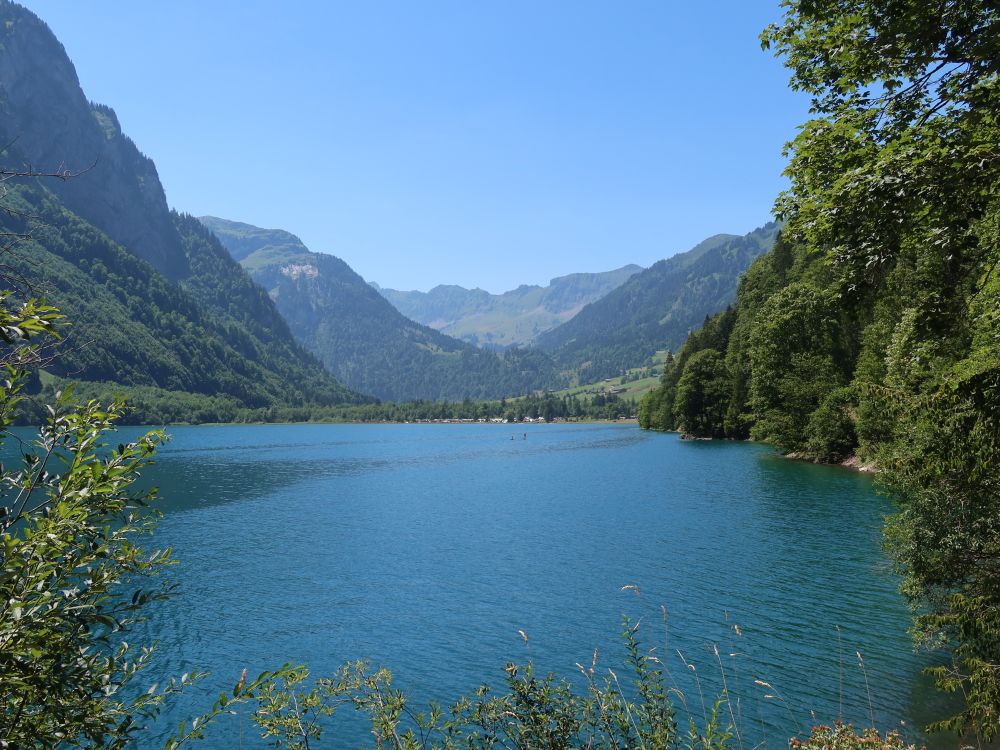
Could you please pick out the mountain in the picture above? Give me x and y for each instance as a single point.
(154, 300)
(159, 306)
(361, 337)
(514, 318)
(656, 308)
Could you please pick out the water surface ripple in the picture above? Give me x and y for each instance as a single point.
(426, 548)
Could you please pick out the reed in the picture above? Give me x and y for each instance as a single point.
(644, 708)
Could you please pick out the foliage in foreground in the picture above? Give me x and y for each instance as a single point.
(533, 712)
(71, 576)
(843, 737)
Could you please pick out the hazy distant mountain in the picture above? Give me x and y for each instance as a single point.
(153, 299)
(656, 308)
(514, 318)
(361, 337)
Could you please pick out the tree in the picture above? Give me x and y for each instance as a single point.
(897, 182)
(905, 152)
(67, 551)
(69, 520)
(792, 363)
(702, 395)
(830, 435)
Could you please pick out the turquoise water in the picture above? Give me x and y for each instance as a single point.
(426, 549)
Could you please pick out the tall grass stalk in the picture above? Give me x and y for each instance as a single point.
(871, 708)
(613, 710)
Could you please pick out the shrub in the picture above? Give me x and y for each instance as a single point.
(843, 737)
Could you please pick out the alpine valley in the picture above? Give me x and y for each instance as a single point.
(215, 320)
(361, 338)
(863, 329)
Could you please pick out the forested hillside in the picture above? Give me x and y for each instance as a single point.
(656, 308)
(362, 338)
(154, 299)
(873, 327)
(514, 318)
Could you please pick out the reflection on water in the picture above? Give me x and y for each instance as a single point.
(426, 548)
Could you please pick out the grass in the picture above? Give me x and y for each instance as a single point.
(646, 709)
(646, 379)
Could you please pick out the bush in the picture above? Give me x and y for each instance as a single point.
(830, 434)
(843, 737)
(72, 579)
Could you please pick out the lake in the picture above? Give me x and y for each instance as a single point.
(426, 548)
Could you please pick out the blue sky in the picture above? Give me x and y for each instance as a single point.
(481, 144)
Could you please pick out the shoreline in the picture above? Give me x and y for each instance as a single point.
(431, 422)
(851, 463)
(855, 464)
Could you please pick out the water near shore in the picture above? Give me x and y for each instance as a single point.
(426, 549)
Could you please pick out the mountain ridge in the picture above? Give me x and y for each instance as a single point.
(361, 337)
(656, 308)
(153, 301)
(159, 302)
(42, 104)
(513, 318)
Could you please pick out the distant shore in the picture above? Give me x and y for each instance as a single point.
(466, 422)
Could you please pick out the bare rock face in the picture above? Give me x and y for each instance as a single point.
(47, 123)
(294, 270)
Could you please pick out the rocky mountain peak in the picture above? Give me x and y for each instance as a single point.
(47, 123)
